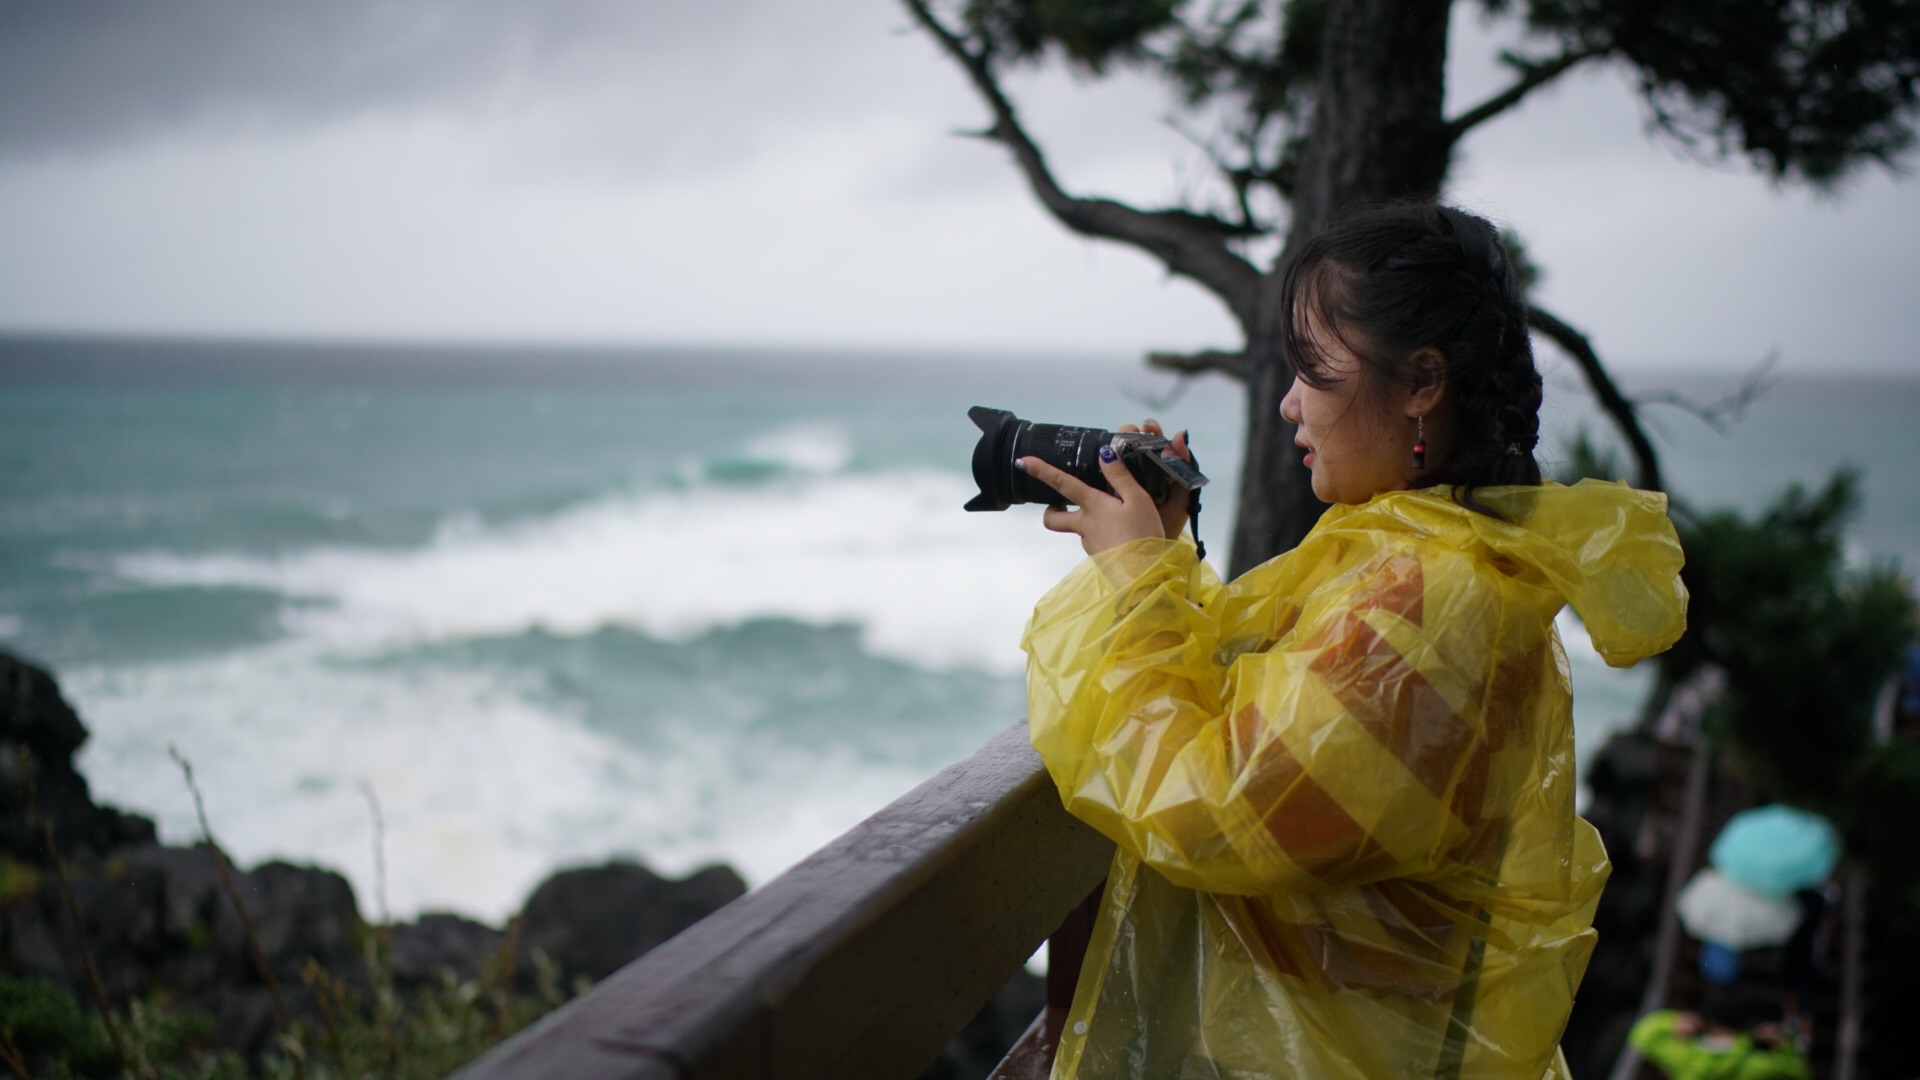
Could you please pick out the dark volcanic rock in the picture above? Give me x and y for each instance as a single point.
(591, 921)
(120, 915)
(35, 718)
(157, 921)
(439, 942)
(300, 913)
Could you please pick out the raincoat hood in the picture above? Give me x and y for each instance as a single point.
(1604, 549)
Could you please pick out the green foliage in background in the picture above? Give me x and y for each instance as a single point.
(1092, 33)
(39, 1022)
(47, 1033)
(1805, 92)
(422, 1037)
(1886, 832)
(1586, 459)
(1806, 643)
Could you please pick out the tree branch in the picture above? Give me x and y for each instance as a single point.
(1239, 178)
(1189, 244)
(1719, 414)
(1533, 75)
(1232, 364)
(1617, 406)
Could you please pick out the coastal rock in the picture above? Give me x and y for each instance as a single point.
(298, 913)
(591, 921)
(437, 942)
(157, 922)
(120, 916)
(34, 717)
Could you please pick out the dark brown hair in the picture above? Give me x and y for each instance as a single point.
(1389, 280)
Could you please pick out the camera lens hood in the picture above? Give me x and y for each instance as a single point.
(1001, 444)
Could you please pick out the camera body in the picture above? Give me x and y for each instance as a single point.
(1005, 438)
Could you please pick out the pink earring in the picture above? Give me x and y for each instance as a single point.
(1419, 442)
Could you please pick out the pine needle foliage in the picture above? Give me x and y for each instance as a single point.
(1806, 643)
(1586, 459)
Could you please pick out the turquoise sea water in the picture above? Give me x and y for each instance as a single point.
(556, 605)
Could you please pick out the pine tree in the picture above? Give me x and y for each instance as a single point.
(1314, 104)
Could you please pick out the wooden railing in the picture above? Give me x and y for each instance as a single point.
(860, 962)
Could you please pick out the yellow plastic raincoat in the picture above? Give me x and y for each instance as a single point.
(1342, 786)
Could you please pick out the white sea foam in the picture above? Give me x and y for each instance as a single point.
(816, 448)
(1605, 699)
(484, 790)
(888, 552)
(487, 783)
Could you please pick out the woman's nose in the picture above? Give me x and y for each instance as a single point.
(1290, 405)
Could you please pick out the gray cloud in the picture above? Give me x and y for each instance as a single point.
(78, 76)
(641, 81)
(631, 169)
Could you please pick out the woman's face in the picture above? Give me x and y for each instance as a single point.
(1359, 442)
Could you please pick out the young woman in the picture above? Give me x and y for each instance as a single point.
(1342, 785)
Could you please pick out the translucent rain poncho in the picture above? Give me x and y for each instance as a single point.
(1342, 786)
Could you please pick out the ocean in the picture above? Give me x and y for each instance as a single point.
(551, 606)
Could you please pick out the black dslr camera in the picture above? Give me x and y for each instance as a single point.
(1005, 438)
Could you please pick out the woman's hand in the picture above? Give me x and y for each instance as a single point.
(1173, 509)
(1106, 521)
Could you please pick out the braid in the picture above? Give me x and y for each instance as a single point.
(1497, 388)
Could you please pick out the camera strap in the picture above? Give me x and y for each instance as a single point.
(1193, 509)
(1193, 518)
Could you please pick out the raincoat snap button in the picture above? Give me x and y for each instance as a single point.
(1079, 1027)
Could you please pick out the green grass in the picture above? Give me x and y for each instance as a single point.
(384, 1035)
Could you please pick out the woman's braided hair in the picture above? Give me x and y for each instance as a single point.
(1391, 279)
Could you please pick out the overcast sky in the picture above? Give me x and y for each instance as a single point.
(777, 172)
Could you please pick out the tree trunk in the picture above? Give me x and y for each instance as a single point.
(1377, 132)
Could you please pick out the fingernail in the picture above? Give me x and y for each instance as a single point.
(1020, 463)
(1108, 455)
(1183, 435)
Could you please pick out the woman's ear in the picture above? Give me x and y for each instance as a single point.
(1427, 370)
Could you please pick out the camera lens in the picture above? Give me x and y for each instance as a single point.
(1005, 438)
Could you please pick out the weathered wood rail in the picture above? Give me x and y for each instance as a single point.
(860, 962)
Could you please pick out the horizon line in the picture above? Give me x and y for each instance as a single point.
(908, 352)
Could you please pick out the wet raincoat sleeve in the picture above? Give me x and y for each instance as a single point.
(1331, 758)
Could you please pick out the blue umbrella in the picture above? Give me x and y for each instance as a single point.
(1776, 850)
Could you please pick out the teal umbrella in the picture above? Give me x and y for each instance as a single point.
(1776, 850)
